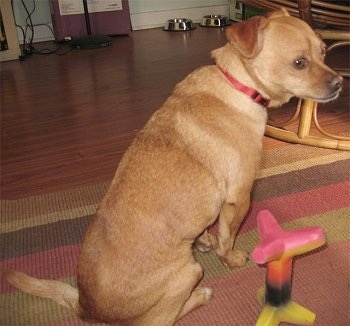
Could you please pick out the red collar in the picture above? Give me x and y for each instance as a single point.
(251, 92)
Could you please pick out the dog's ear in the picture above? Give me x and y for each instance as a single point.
(283, 12)
(247, 36)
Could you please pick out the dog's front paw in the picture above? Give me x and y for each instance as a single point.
(235, 258)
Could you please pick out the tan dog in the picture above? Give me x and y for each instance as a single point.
(195, 160)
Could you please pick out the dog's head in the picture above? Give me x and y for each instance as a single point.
(284, 57)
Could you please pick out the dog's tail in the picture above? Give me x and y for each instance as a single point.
(60, 292)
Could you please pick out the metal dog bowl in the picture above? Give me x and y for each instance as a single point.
(215, 21)
(179, 25)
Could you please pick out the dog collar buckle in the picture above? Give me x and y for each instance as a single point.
(258, 98)
(251, 92)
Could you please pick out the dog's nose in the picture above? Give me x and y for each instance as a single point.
(336, 82)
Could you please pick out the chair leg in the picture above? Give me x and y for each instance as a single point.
(306, 110)
(302, 136)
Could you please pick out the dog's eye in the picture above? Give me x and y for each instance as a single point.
(301, 63)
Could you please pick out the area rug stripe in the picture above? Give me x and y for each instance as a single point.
(302, 186)
(298, 204)
(71, 231)
(301, 180)
(43, 209)
(45, 237)
(282, 160)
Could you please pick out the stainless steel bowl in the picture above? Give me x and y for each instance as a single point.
(215, 21)
(179, 25)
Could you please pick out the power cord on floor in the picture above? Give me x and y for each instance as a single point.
(28, 48)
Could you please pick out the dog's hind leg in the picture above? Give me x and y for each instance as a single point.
(199, 297)
(196, 296)
(230, 218)
(181, 297)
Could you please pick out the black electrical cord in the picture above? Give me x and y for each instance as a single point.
(22, 56)
(48, 51)
(27, 47)
(29, 22)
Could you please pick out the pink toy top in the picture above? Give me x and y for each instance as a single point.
(277, 243)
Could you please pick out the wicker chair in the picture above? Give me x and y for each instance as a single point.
(332, 22)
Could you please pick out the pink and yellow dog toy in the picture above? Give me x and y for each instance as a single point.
(277, 249)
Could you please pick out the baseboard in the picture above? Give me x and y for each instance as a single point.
(155, 19)
(143, 20)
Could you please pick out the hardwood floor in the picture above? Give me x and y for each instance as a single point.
(67, 119)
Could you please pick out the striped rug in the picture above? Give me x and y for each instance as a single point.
(302, 186)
